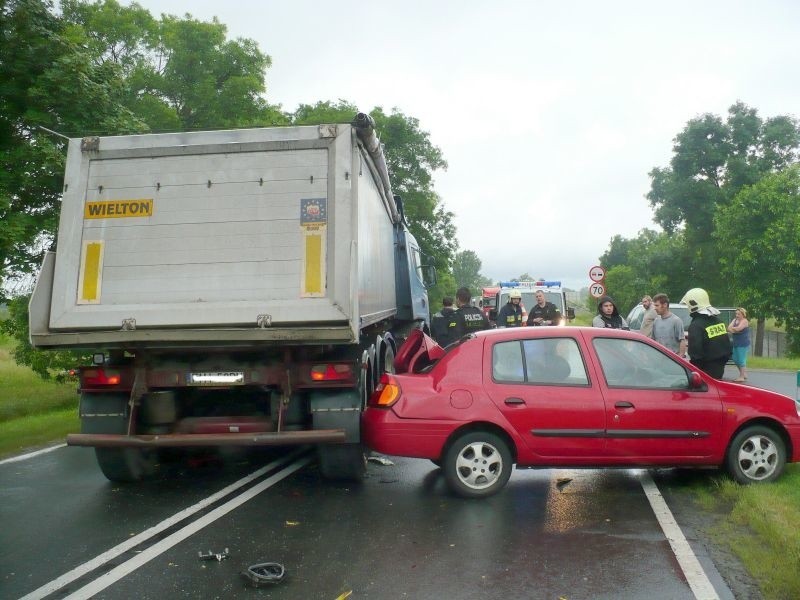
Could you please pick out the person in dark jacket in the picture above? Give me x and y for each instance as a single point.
(608, 315)
(709, 344)
(543, 312)
(511, 313)
(469, 319)
(443, 323)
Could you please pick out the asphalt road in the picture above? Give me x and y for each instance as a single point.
(67, 532)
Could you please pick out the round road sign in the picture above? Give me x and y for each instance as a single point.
(597, 273)
(597, 290)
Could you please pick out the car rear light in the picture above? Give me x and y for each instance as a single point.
(100, 376)
(332, 372)
(386, 393)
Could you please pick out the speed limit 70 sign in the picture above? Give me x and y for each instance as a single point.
(597, 290)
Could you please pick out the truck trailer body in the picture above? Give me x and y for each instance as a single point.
(242, 287)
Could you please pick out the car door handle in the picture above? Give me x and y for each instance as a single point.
(623, 404)
(514, 401)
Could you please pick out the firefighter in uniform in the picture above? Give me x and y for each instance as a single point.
(469, 319)
(709, 344)
(511, 313)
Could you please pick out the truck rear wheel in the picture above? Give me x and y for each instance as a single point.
(342, 461)
(126, 465)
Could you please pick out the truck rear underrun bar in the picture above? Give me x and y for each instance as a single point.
(185, 440)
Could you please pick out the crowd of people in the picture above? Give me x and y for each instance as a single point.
(708, 346)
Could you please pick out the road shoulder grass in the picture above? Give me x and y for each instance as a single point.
(33, 413)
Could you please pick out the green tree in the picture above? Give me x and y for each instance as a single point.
(467, 271)
(47, 80)
(656, 260)
(759, 237)
(712, 161)
(178, 73)
(624, 285)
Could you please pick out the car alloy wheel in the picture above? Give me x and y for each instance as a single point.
(477, 464)
(756, 454)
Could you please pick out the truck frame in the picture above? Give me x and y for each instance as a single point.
(237, 288)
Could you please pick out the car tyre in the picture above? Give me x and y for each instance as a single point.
(756, 454)
(477, 464)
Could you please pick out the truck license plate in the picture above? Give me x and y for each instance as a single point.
(216, 378)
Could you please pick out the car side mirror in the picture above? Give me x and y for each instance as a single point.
(695, 381)
(493, 314)
(570, 313)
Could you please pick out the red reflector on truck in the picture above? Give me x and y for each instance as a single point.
(100, 377)
(332, 372)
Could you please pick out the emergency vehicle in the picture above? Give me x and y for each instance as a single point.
(488, 298)
(553, 292)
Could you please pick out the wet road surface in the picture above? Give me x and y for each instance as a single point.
(400, 534)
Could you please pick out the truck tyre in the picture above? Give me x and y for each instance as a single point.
(126, 465)
(756, 454)
(342, 461)
(105, 413)
(477, 464)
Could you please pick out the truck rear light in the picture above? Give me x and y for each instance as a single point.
(386, 393)
(332, 372)
(98, 376)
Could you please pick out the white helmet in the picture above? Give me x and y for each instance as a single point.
(514, 294)
(696, 299)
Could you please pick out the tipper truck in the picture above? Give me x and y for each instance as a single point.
(236, 288)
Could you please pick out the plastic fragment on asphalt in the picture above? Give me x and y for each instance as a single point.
(381, 460)
(292, 523)
(561, 482)
(345, 595)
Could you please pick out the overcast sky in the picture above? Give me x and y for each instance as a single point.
(550, 115)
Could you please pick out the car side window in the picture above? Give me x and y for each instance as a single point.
(555, 361)
(550, 361)
(634, 364)
(507, 362)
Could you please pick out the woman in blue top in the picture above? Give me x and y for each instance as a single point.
(740, 329)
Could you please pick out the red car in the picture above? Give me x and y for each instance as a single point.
(571, 397)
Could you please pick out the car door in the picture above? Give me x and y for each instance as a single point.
(542, 388)
(652, 412)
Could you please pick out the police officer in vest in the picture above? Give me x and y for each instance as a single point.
(469, 319)
(443, 323)
(709, 345)
(511, 313)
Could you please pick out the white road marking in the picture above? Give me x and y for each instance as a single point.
(127, 545)
(698, 580)
(31, 454)
(168, 542)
